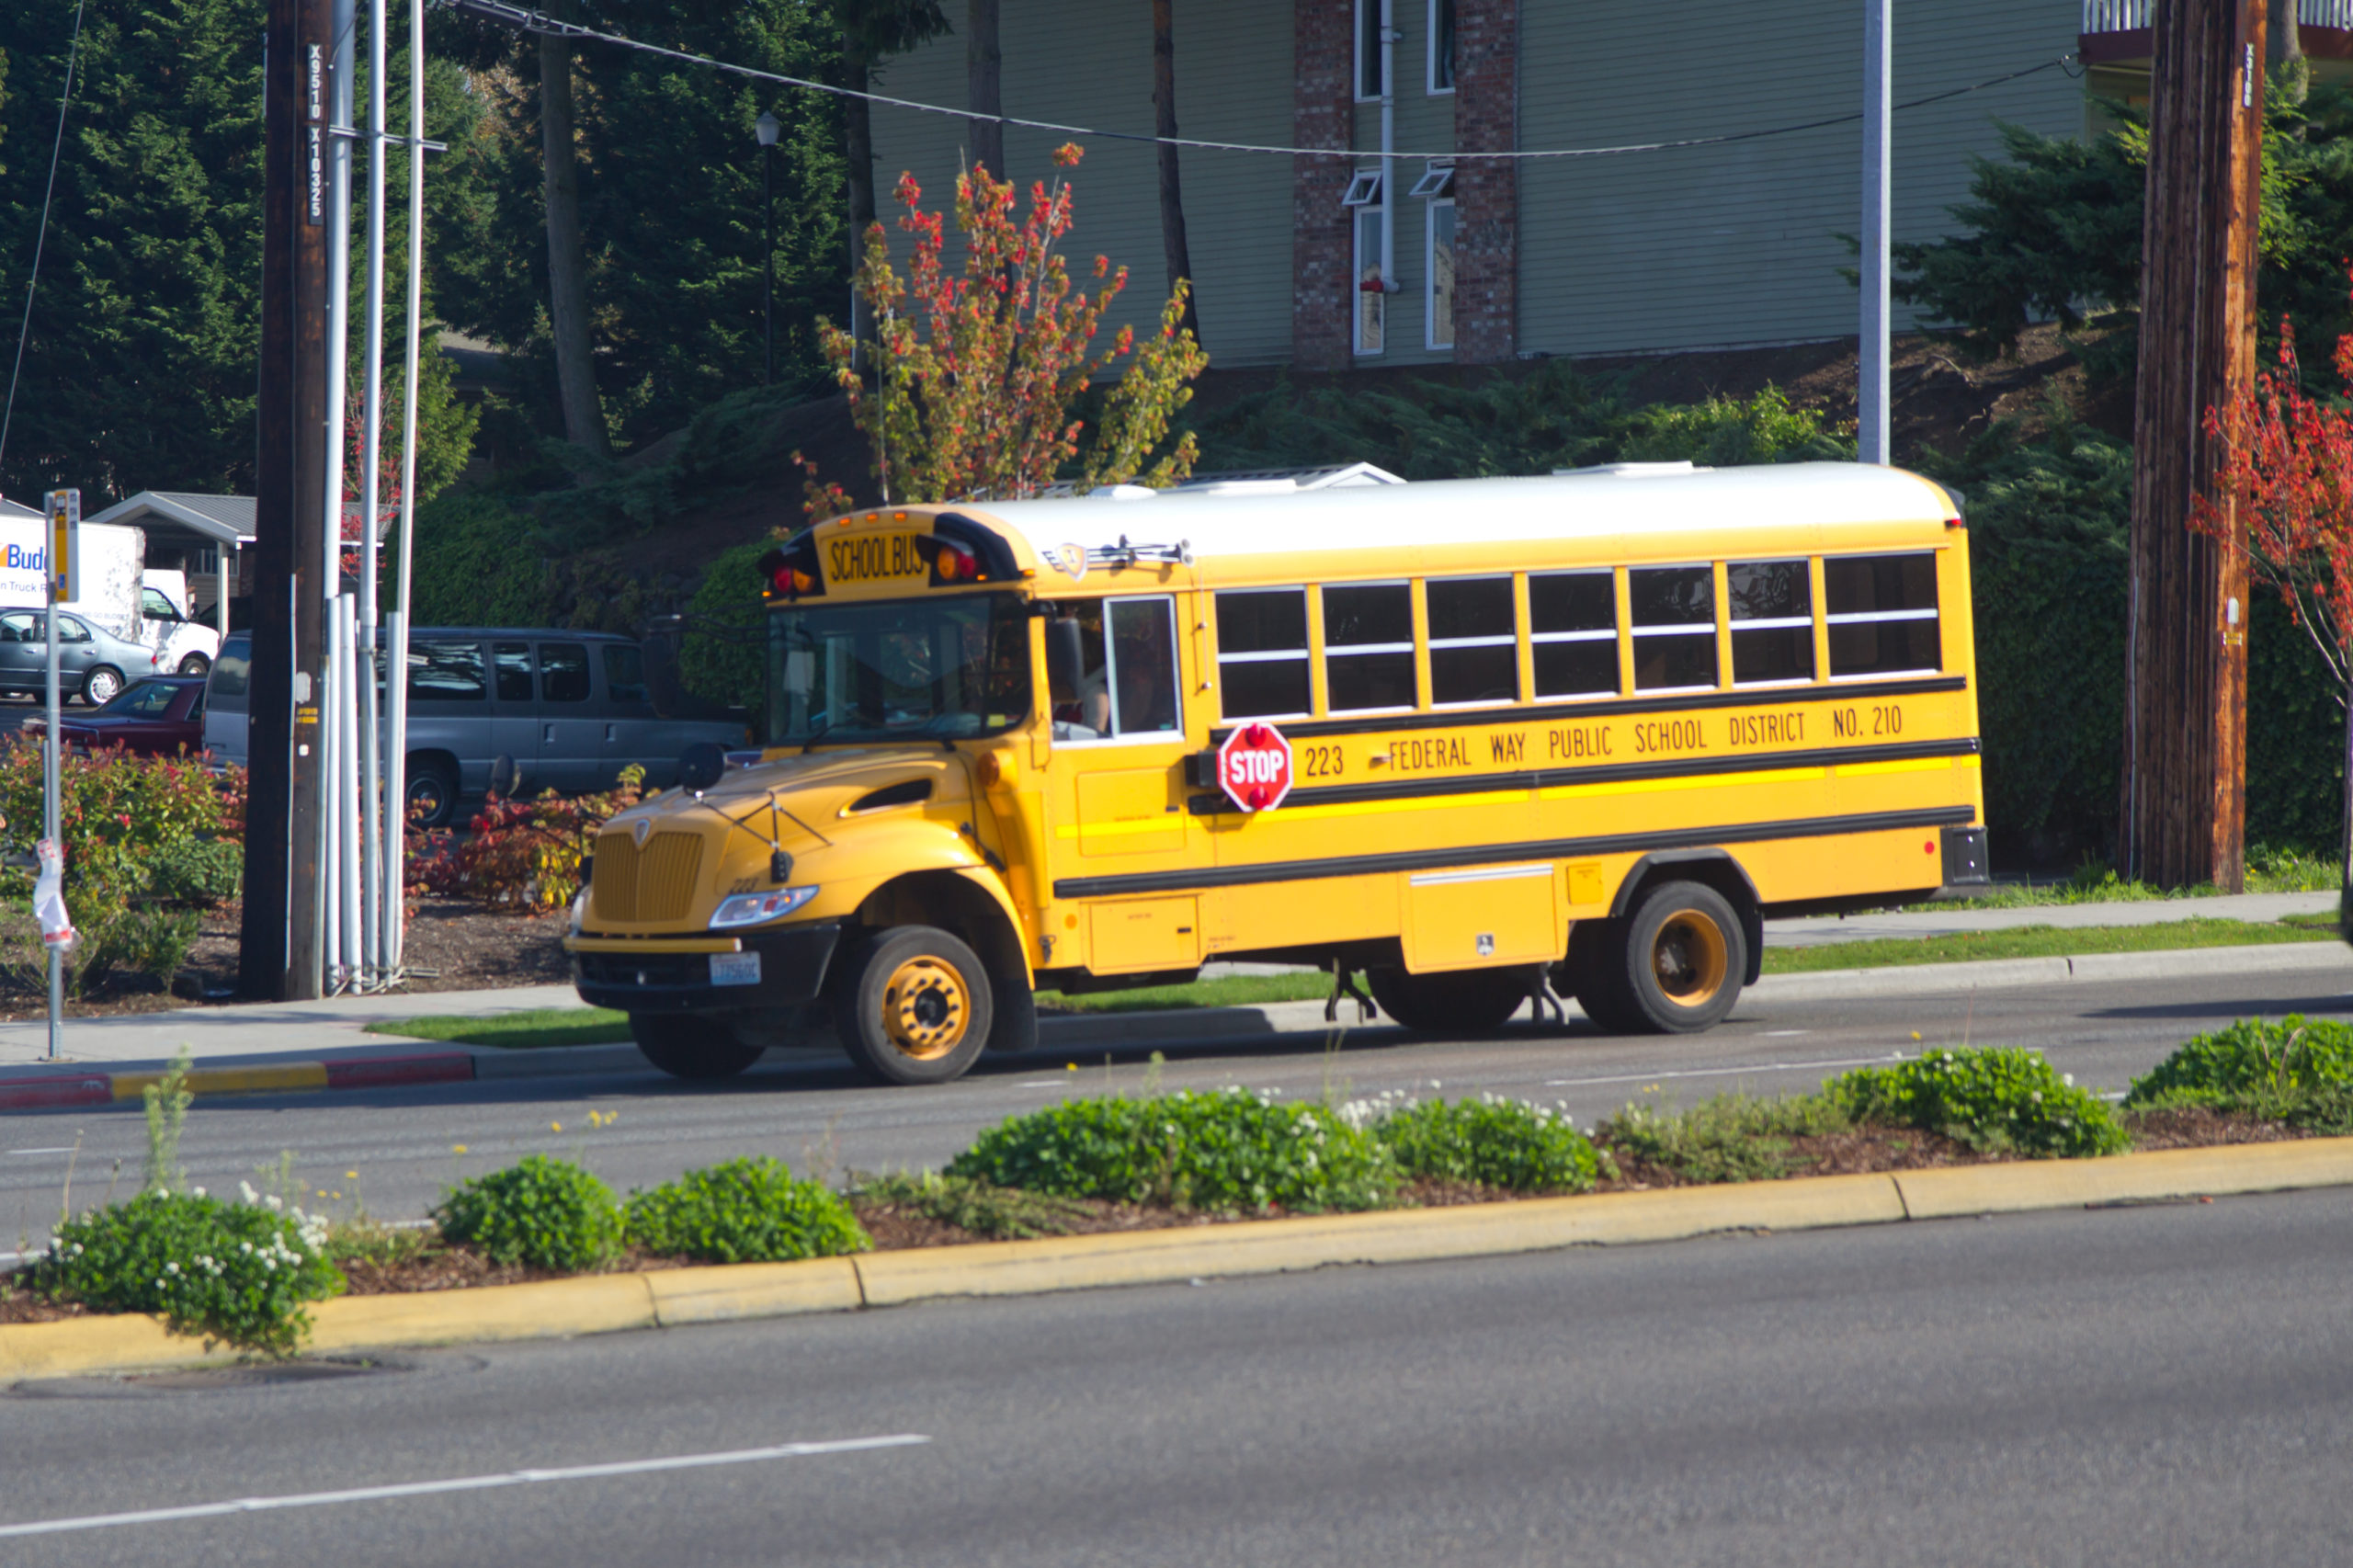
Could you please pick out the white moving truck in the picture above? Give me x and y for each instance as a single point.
(117, 593)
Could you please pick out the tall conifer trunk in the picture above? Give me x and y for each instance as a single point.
(983, 85)
(1172, 195)
(575, 369)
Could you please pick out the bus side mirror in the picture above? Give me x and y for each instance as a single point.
(701, 764)
(1065, 656)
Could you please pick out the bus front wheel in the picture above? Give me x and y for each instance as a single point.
(686, 1046)
(1684, 955)
(913, 1006)
(1460, 1001)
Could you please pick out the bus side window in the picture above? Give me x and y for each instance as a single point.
(1882, 613)
(1369, 646)
(1084, 712)
(1772, 621)
(1674, 627)
(1474, 642)
(1572, 621)
(1144, 666)
(1262, 653)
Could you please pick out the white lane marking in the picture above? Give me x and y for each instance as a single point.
(65, 1149)
(1722, 1071)
(460, 1483)
(1041, 1084)
(1779, 1034)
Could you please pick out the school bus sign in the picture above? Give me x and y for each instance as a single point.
(1254, 767)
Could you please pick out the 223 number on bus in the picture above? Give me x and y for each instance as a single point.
(1320, 762)
(874, 558)
(1886, 720)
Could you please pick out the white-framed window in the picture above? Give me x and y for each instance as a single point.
(1441, 48)
(1262, 653)
(1674, 627)
(1373, 20)
(1364, 189)
(1128, 687)
(1368, 647)
(1883, 615)
(1474, 640)
(1437, 274)
(1772, 621)
(1372, 311)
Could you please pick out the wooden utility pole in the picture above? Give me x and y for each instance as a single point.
(2183, 812)
(278, 949)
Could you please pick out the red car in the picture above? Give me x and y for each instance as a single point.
(155, 717)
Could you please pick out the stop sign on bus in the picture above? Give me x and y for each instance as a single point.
(1253, 768)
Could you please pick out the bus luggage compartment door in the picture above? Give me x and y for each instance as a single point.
(1494, 915)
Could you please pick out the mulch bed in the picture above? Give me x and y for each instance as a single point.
(897, 1227)
(450, 946)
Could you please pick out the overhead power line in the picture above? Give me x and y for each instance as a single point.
(525, 20)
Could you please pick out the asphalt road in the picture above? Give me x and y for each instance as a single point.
(2142, 1386)
(408, 1144)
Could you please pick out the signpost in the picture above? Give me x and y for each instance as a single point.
(1253, 768)
(64, 508)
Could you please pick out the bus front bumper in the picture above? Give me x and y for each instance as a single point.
(768, 969)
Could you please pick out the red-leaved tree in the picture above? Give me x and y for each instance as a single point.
(2286, 474)
(973, 378)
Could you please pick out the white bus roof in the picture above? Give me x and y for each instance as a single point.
(1651, 504)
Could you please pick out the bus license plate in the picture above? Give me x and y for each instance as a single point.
(735, 969)
(875, 558)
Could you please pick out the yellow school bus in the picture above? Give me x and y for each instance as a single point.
(1478, 742)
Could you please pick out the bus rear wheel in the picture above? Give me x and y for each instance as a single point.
(686, 1046)
(913, 1006)
(1460, 1001)
(1683, 957)
(1596, 976)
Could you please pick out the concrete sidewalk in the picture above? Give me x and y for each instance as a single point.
(1958, 918)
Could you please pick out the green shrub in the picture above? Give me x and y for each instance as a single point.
(1996, 1099)
(748, 1211)
(1224, 1151)
(548, 1213)
(1725, 1138)
(1000, 1213)
(2259, 1059)
(232, 1272)
(204, 871)
(1493, 1141)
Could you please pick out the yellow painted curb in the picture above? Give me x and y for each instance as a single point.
(602, 1303)
(230, 1080)
(547, 1309)
(727, 1291)
(1405, 1235)
(72, 1346)
(1955, 1190)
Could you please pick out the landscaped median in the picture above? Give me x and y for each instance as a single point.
(1163, 1187)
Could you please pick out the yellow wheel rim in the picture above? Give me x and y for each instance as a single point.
(1689, 957)
(924, 1008)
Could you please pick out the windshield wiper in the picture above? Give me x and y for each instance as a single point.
(817, 734)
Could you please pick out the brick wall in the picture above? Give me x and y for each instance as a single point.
(1486, 192)
(1322, 111)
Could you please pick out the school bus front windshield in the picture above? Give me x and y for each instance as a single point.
(938, 668)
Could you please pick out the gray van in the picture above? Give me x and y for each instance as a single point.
(572, 709)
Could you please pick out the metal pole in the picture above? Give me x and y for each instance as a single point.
(1870, 393)
(346, 621)
(49, 813)
(396, 663)
(364, 851)
(1388, 167)
(338, 369)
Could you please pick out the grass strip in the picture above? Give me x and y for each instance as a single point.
(1226, 991)
(2039, 942)
(536, 1029)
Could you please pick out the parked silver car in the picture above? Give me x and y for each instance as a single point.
(92, 663)
(572, 709)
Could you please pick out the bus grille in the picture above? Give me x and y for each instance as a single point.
(657, 882)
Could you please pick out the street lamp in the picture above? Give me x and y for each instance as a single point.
(766, 129)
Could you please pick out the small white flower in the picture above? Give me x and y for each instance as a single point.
(275, 1202)
(245, 1190)
(2068, 1079)
(196, 1192)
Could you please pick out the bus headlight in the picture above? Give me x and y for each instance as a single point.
(756, 908)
